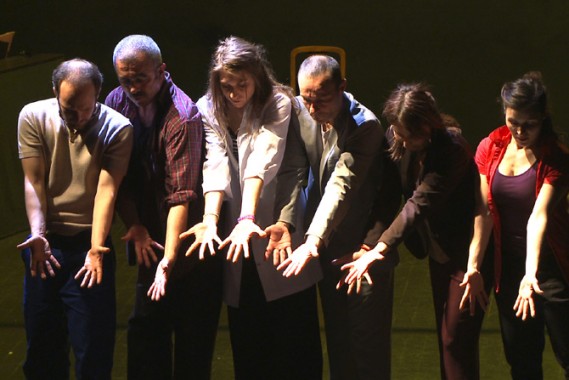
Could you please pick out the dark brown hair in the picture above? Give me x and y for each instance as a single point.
(414, 107)
(529, 94)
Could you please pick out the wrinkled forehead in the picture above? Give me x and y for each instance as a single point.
(133, 60)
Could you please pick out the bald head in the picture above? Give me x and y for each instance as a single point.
(77, 72)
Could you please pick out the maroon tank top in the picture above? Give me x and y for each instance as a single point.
(514, 197)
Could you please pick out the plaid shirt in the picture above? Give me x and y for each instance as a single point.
(166, 160)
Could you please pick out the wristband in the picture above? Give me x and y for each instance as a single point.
(210, 213)
(250, 217)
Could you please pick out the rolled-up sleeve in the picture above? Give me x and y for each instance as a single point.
(269, 144)
(183, 141)
(216, 173)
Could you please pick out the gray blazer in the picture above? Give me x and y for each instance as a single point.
(341, 182)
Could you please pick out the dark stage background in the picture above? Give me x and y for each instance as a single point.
(465, 49)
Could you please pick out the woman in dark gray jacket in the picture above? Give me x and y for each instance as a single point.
(438, 177)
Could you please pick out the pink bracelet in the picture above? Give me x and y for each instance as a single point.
(246, 217)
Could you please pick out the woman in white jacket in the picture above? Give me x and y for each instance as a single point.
(246, 114)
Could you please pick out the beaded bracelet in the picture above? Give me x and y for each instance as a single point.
(250, 217)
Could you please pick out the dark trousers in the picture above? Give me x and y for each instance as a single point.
(274, 340)
(174, 338)
(358, 326)
(458, 333)
(524, 341)
(58, 313)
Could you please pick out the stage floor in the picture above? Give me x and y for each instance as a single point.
(414, 348)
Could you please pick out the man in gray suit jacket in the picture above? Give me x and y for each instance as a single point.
(335, 158)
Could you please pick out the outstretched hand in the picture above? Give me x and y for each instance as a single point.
(143, 245)
(359, 267)
(206, 235)
(280, 244)
(346, 259)
(474, 292)
(92, 270)
(158, 288)
(239, 239)
(41, 260)
(525, 304)
(296, 262)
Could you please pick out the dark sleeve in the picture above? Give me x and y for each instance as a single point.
(448, 162)
(387, 200)
(112, 100)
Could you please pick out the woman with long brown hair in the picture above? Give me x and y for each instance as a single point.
(246, 113)
(438, 177)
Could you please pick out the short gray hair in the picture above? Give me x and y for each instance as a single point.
(317, 65)
(131, 45)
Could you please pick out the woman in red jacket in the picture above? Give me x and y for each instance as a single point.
(524, 186)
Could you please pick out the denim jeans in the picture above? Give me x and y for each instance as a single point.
(59, 314)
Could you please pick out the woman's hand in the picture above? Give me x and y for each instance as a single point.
(474, 292)
(206, 235)
(525, 303)
(239, 239)
(346, 259)
(359, 268)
